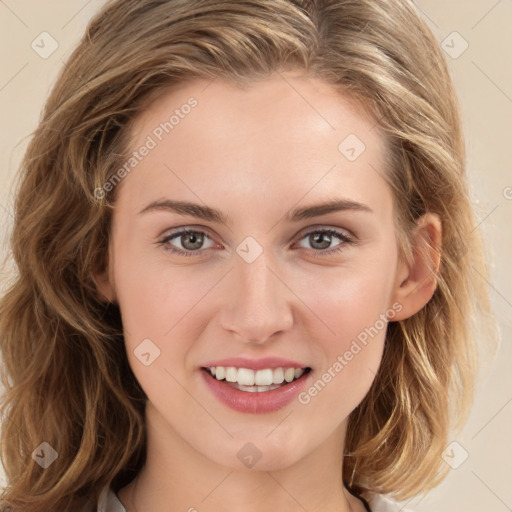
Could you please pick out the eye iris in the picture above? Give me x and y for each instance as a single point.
(318, 237)
(196, 241)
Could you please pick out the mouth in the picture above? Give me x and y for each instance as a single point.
(256, 381)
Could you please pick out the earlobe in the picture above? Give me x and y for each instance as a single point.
(103, 281)
(416, 281)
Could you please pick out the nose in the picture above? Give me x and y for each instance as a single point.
(259, 303)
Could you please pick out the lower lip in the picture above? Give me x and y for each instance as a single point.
(257, 402)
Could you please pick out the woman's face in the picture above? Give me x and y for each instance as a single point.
(268, 276)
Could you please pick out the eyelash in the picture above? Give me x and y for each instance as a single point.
(346, 240)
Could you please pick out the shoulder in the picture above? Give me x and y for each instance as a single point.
(382, 503)
(109, 502)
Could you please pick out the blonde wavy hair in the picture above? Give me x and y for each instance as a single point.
(66, 375)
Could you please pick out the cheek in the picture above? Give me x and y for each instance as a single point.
(353, 303)
(155, 299)
(159, 314)
(162, 302)
(158, 300)
(351, 299)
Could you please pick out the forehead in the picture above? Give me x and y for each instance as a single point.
(288, 134)
(298, 104)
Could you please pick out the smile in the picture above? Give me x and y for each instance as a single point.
(252, 381)
(250, 391)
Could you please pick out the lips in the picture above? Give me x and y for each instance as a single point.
(223, 377)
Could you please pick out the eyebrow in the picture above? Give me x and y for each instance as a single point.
(211, 214)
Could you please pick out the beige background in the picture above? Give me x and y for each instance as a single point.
(483, 76)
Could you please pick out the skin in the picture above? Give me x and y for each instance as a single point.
(255, 154)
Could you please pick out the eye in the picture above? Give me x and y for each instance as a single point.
(321, 239)
(189, 240)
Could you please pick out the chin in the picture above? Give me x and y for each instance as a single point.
(258, 453)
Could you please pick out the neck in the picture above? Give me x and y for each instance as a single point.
(177, 477)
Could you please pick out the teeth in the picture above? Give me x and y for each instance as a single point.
(254, 389)
(264, 377)
(245, 377)
(231, 374)
(278, 376)
(259, 380)
(289, 374)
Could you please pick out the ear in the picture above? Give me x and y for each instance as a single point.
(103, 279)
(416, 281)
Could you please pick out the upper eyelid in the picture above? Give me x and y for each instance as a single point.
(326, 227)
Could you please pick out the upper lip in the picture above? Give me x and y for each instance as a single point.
(255, 364)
